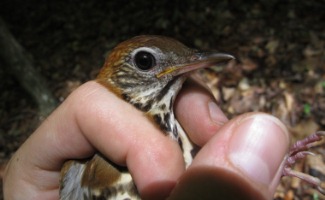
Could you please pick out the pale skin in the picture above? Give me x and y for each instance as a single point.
(240, 158)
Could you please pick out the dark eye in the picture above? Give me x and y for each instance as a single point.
(144, 60)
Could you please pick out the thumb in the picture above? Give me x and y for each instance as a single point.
(242, 161)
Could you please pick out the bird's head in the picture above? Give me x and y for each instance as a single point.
(148, 71)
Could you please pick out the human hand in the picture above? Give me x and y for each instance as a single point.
(240, 159)
(93, 119)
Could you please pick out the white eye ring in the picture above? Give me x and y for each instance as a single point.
(144, 60)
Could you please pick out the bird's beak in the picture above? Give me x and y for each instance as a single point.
(197, 61)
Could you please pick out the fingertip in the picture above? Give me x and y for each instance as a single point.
(155, 164)
(198, 113)
(257, 148)
(253, 146)
(266, 143)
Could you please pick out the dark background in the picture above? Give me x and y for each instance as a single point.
(279, 46)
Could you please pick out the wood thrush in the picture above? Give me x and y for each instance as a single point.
(148, 72)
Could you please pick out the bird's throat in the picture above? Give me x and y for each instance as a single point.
(157, 102)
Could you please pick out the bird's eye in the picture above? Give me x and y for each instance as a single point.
(144, 60)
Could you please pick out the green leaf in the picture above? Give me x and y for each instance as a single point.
(307, 109)
(323, 84)
(315, 196)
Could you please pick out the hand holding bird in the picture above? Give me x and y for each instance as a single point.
(87, 123)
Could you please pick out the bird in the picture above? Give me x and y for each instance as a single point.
(147, 71)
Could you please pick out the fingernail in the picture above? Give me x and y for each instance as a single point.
(216, 114)
(257, 147)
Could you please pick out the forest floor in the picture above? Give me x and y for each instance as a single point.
(279, 46)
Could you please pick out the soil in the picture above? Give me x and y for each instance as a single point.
(279, 46)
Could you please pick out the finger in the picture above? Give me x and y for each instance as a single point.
(122, 133)
(126, 136)
(198, 113)
(242, 161)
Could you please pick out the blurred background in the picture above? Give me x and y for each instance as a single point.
(279, 46)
